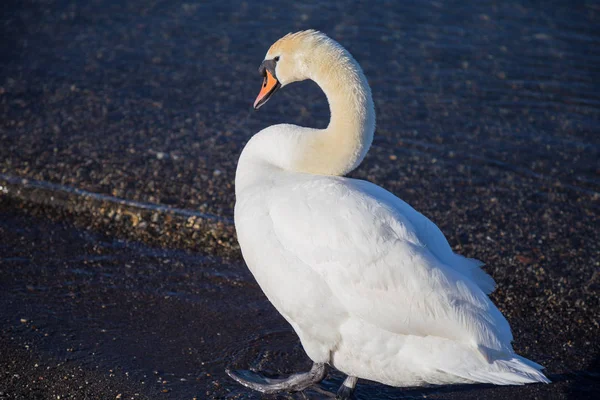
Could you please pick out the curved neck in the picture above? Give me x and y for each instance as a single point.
(340, 147)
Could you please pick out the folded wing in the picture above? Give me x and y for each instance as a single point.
(387, 263)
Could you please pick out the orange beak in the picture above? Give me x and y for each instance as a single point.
(269, 86)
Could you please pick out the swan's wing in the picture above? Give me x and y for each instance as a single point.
(377, 264)
(431, 236)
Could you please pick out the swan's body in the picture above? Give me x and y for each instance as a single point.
(370, 285)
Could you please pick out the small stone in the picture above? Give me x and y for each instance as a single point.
(523, 259)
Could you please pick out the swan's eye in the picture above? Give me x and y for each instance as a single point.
(276, 59)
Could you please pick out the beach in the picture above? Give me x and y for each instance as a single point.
(120, 130)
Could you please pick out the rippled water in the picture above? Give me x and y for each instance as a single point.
(146, 105)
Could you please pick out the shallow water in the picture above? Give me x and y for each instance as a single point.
(132, 114)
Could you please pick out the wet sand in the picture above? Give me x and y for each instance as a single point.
(120, 274)
(88, 316)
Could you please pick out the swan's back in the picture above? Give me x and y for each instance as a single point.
(431, 236)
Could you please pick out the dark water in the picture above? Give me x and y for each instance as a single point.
(488, 122)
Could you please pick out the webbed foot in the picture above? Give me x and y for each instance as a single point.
(293, 383)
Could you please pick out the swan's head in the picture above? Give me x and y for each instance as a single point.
(291, 59)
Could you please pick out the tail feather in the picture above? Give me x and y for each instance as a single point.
(514, 371)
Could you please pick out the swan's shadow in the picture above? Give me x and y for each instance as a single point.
(368, 390)
(582, 384)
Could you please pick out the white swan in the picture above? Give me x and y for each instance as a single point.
(370, 285)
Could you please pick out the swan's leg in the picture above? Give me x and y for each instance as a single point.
(293, 383)
(345, 391)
